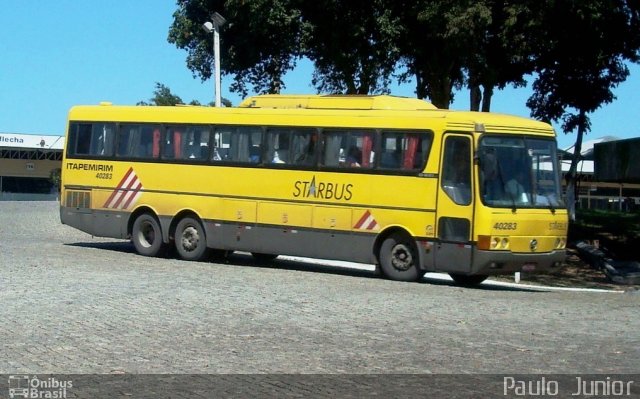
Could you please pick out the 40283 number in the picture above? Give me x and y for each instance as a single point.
(104, 175)
(506, 226)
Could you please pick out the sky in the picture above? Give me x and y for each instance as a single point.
(57, 54)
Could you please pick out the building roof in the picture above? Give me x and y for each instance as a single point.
(586, 164)
(31, 141)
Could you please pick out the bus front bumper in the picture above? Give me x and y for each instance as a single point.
(501, 262)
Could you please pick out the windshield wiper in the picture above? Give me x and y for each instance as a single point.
(504, 189)
(553, 208)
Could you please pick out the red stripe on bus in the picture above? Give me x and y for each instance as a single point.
(135, 194)
(362, 220)
(131, 183)
(113, 194)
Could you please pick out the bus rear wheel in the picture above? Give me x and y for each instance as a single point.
(146, 235)
(467, 280)
(399, 258)
(190, 239)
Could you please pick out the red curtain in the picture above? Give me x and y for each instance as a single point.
(410, 153)
(367, 143)
(177, 145)
(156, 143)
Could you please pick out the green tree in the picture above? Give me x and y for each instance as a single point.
(352, 44)
(258, 45)
(55, 177)
(583, 50)
(429, 51)
(501, 51)
(162, 95)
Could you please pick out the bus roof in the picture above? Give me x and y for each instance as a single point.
(333, 110)
(336, 101)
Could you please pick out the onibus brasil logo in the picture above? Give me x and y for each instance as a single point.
(23, 386)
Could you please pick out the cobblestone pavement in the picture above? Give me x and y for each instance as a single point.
(71, 303)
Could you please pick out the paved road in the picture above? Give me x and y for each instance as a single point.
(76, 304)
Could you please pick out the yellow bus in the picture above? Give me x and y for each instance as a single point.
(382, 180)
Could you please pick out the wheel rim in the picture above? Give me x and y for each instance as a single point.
(401, 257)
(147, 235)
(190, 238)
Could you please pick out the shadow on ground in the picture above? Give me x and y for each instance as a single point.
(240, 259)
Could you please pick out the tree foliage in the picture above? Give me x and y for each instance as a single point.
(261, 40)
(582, 56)
(162, 96)
(352, 44)
(357, 46)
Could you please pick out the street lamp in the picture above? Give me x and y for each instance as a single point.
(214, 27)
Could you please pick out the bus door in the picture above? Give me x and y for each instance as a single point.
(454, 212)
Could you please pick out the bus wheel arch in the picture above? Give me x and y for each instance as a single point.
(398, 255)
(189, 236)
(146, 232)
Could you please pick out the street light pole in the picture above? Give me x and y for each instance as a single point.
(214, 27)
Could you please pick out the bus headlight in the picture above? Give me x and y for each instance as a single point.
(489, 242)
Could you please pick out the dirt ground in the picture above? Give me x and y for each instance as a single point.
(574, 273)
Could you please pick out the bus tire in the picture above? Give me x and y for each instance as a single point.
(146, 235)
(190, 239)
(466, 280)
(262, 258)
(399, 258)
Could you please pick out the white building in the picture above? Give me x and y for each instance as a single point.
(594, 194)
(26, 165)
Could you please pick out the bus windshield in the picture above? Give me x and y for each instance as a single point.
(519, 172)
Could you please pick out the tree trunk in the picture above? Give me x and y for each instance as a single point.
(440, 91)
(572, 195)
(486, 98)
(475, 97)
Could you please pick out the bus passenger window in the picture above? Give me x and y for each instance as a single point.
(138, 141)
(404, 150)
(237, 144)
(304, 147)
(278, 145)
(95, 139)
(348, 149)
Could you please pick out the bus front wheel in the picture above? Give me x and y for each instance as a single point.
(146, 235)
(467, 280)
(399, 258)
(190, 239)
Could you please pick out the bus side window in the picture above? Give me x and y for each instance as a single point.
(137, 141)
(186, 142)
(102, 139)
(304, 147)
(333, 149)
(348, 148)
(236, 144)
(92, 139)
(278, 143)
(83, 140)
(242, 142)
(404, 150)
(221, 144)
